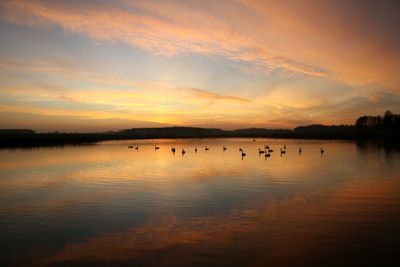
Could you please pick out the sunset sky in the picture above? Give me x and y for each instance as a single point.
(100, 65)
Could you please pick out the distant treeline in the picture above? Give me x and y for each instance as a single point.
(50, 139)
(389, 122)
(195, 132)
(366, 127)
(16, 131)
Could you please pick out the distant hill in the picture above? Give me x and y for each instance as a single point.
(173, 132)
(319, 128)
(259, 132)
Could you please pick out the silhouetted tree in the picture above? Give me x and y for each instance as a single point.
(362, 122)
(389, 121)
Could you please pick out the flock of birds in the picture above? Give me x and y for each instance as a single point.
(266, 151)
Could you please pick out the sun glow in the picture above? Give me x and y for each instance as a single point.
(173, 63)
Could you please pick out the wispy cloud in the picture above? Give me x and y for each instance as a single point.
(201, 93)
(155, 30)
(113, 97)
(302, 38)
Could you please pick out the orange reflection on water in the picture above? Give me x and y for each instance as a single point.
(206, 208)
(277, 232)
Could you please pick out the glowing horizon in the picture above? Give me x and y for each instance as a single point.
(107, 65)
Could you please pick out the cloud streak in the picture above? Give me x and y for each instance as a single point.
(316, 39)
(155, 30)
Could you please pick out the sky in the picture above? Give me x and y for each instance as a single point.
(84, 66)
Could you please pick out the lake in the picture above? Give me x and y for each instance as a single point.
(110, 205)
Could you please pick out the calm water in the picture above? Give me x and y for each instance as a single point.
(108, 205)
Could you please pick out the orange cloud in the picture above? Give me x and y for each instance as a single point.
(307, 42)
(343, 38)
(160, 31)
(314, 39)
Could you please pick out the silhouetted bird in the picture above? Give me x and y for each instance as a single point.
(130, 146)
(283, 151)
(243, 154)
(224, 148)
(240, 149)
(267, 147)
(270, 150)
(195, 149)
(322, 151)
(206, 148)
(183, 151)
(156, 147)
(137, 147)
(173, 149)
(267, 155)
(284, 147)
(300, 150)
(260, 151)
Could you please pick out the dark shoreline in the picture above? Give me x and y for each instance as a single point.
(31, 139)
